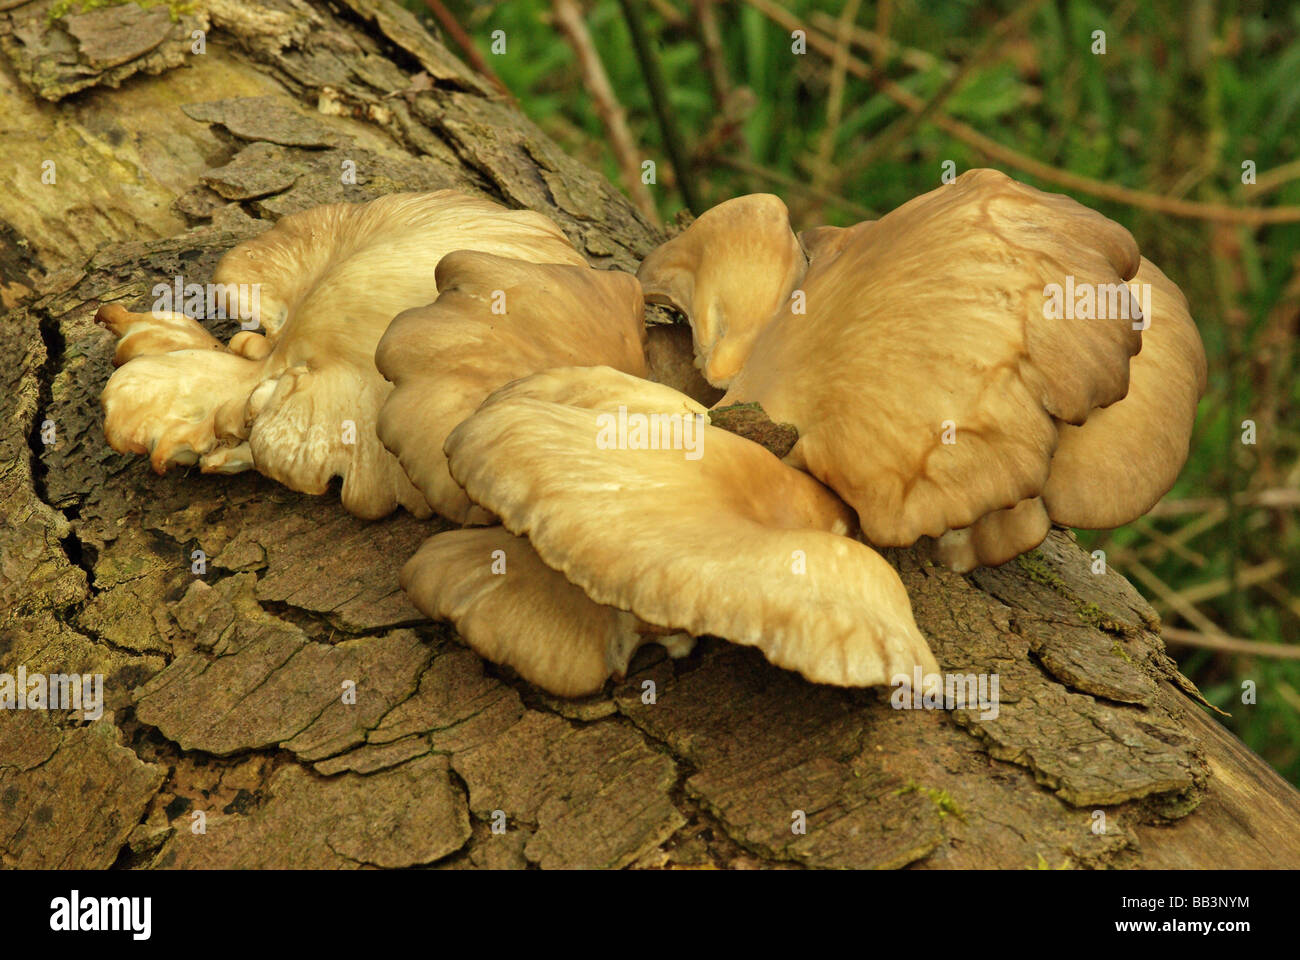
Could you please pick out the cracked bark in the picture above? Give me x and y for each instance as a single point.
(222, 691)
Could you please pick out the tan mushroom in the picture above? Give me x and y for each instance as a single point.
(495, 320)
(515, 610)
(622, 486)
(728, 272)
(925, 380)
(996, 537)
(1114, 468)
(298, 401)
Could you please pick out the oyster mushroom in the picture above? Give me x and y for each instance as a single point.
(298, 402)
(513, 609)
(728, 273)
(928, 384)
(622, 486)
(1113, 468)
(495, 320)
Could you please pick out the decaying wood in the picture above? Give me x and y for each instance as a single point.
(223, 687)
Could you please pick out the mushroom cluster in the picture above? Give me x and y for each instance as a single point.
(906, 379)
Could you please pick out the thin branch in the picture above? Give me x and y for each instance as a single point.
(1279, 498)
(1272, 179)
(449, 23)
(673, 17)
(1226, 644)
(569, 19)
(882, 48)
(884, 144)
(1250, 216)
(780, 179)
(1249, 577)
(711, 44)
(654, 79)
(884, 22)
(1172, 598)
(821, 167)
(1166, 542)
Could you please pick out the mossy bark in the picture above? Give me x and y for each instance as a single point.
(223, 686)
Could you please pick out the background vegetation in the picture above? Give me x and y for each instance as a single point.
(1154, 133)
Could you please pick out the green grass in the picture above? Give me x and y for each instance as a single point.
(1186, 91)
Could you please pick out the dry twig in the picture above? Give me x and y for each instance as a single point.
(1250, 216)
(569, 19)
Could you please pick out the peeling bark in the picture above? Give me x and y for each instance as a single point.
(223, 688)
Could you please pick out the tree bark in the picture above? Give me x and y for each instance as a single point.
(222, 680)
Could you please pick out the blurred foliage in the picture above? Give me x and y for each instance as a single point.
(1186, 92)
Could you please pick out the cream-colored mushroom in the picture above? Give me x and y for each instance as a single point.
(728, 272)
(513, 609)
(298, 400)
(925, 377)
(996, 537)
(623, 486)
(495, 320)
(1113, 468)
(917, 364)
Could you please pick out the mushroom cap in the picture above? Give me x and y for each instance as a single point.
(1115, 467)
(996, 537)
(495, 320)
(299, 401)
(335, 268)
(168, 406)
(728, 272)
(515, 610)
(141, 335)
(731, 542)
(827, 241)
(929, 324)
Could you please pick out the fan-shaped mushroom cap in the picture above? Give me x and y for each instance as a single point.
(728, 272)
(495, 320)
(925, 377)
(705, 532)
(299, 403)
(515, 610)
(1127, 456)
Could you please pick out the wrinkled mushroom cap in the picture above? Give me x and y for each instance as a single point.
(728, 272)
(709, 535)
(298, 400)
(1127, 456)
(495, 320)
(928, 326)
